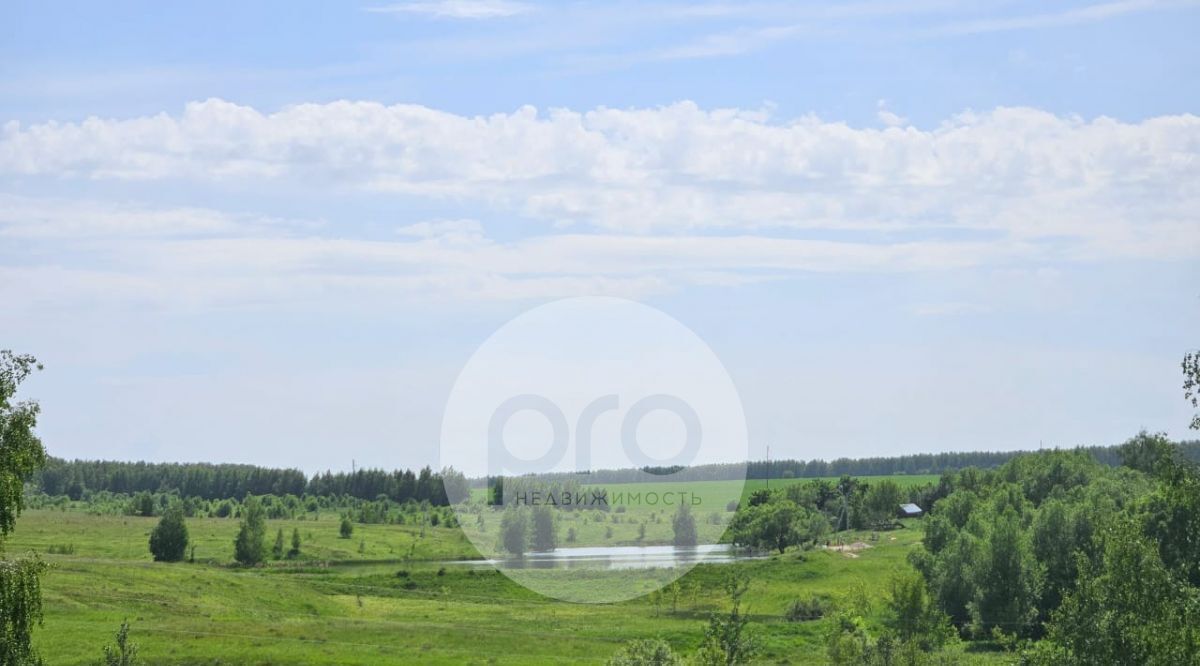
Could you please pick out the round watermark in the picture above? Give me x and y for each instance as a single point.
(606, 445)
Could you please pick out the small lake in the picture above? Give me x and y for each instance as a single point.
(618, 557)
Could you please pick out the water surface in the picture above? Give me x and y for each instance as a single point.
(618, 557)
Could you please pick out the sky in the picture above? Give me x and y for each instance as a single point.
(275, 233)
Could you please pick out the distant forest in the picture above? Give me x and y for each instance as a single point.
(227, 481)
(920, 463)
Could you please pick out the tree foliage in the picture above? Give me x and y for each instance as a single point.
(778, 525)
(1100, 563)
(1191, 383)
(169, 539)
(250, 548)
(683, 527)
(124, 652)
(21, 454)
(514, 530)
(646, 652)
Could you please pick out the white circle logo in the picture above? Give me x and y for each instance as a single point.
(582, 422)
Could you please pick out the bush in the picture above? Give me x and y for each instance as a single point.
(169, 539)
(645, 652)
(807, 610)
(346, 529)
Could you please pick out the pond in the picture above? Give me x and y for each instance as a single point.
(618, 557)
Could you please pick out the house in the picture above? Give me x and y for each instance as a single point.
(910, 510)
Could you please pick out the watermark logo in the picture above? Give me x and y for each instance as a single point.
(583, 422)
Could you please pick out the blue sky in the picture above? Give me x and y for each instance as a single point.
(274, 233)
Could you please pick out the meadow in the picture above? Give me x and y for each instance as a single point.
(386, 596)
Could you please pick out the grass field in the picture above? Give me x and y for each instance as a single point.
(394, 602)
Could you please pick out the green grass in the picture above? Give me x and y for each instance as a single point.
(340, 606)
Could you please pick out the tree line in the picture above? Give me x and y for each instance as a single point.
(915, 464)
(77, 478)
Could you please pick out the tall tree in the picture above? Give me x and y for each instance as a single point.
(1191, 383)
(545, 528)
(882, 502)
(683, 524)
(169, 539)
(1127, 609)
(250, 548)
(514, 530)
(21, 454)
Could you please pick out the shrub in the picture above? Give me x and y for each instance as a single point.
(645, 652)
(808, 609)
(346, 529)
(169, 539)
(125, 653)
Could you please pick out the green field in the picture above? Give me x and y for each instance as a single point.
(389, 603)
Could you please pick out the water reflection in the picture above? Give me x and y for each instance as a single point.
(618, 557)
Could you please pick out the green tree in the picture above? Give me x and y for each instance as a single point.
(295, 551)
(913, 615)
(143, 504)
(123, 653)
(778, 524)
(1191, 383)
(249, 548)
(169, 539)
(683, 525)
(514, 531)
(545, 529)
(1008, 580)
(727, 639)
(1147, 453)
(277, 549)
(21, 454)
(346, 528)
(1126, 609)
(882, 502)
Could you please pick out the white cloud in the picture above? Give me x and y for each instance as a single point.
(457, 9)
(887, 116)
(448, 229)
(33, 218)
(1107, 186)
(284, 262)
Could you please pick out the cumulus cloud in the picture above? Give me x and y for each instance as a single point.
(1106, 187)
(623, 201)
